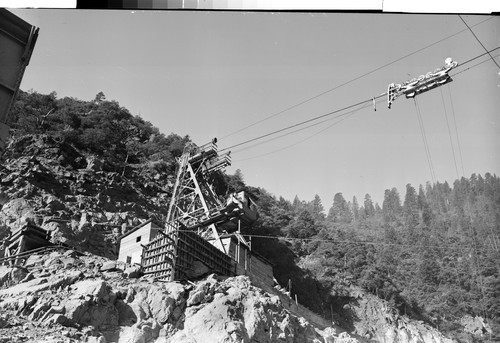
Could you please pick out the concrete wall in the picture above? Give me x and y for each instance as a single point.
(261, 270)
(248, 263)
(130, 245)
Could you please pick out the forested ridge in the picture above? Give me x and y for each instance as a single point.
(433, 254)
(431, 250)
(101, 127)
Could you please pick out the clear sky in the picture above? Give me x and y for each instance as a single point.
(210, 74)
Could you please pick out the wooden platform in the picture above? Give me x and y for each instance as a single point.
(27, 238)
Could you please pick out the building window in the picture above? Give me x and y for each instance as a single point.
(138, 239)
(129, 259)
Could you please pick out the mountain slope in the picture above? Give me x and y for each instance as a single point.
(87, 171)
(65, 191)
(65, 296)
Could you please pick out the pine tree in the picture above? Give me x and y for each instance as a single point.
(297, 205)
(236, 182)
(391, 206)
(303, 227)
(410, 209)
(355, 208)
(315, 207)
(339, 212)
(429, 269)
(368, 205)
(421, 200)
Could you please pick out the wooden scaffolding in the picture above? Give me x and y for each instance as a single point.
(26, 238)
(176, 253)
(190, 245)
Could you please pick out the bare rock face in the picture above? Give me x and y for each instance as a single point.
(235, 311)
(16, 213)
(73, 297)
(71, 194)
(477, 326)
(380, 322)
(76, 298)
(133, 272)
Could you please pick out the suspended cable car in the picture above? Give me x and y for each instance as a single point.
(421, 84)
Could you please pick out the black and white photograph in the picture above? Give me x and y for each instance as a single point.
(210, 171)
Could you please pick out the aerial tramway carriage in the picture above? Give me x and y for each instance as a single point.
(421, 84)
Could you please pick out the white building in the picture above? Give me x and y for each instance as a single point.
(132, 242)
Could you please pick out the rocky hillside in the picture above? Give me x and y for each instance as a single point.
(378, 321)
(65, 296)
(84, 170)
(65, 191)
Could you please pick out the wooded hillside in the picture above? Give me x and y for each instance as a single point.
(434, 253)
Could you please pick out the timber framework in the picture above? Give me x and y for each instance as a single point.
(203, 229)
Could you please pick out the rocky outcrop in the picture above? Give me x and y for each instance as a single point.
(67, 192)
(476, 326)
(88, 298)
(79, 298)
(377, 320)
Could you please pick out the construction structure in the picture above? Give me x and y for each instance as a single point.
(17, 41)
(182, 254)
(248, 262)
(26, 238)
(421, 84)
(203, 229)
(132, 242)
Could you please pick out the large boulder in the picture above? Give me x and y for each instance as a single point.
(16, 213)
(10, 276)
(91, 303)
(235, 311)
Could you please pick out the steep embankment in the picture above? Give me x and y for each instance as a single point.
(379, 321)
(65, 191)
(67, 297)
(64, 296)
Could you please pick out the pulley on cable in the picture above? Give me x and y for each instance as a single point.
(421, 84)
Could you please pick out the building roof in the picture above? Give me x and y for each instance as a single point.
(134, 229)
(30, 230)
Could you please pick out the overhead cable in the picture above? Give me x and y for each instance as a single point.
(475, 65)
(470, 29)
(456, 131)
(315, 239)
(449, 134)
(304, 122)
(348, 82)
(351, 113)
(424, 139)
(300, 129)
(370, 100)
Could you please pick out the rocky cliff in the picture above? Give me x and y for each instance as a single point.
(63, 296)
(67, 192)
(379, 321)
